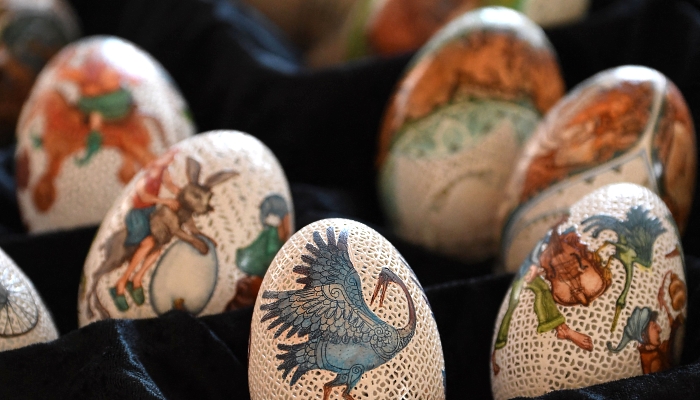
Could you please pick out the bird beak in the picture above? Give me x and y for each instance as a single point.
(382, 284)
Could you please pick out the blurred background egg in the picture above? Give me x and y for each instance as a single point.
(194, 231)
(626, 124)
(100, 110)
(455, 125)
(340, 313)
(31, 32)
(600, 297)
(24, 319)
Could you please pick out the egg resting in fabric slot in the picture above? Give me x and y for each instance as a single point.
(24, 319)
(340, 313)
(99, 111)
(600, 297)
(455, 125)
(626, 124)
(31, 32)
(194, 231)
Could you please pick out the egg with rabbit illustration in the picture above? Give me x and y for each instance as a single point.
(625, 124)
(31, 32)
(195, 231)
(24, 319)
(99, 112)
(340, 314)
(600, 297)
(457, 121)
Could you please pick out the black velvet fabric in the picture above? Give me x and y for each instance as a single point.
(238, 72)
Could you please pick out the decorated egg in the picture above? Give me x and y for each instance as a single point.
(396, 26)
(600, 297)
(195, 230)
(30, 33)
(340, 314)
(24, 319)
(455, 125)
(627, 124)
(100, 111)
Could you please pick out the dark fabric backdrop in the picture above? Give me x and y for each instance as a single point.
(238, 72)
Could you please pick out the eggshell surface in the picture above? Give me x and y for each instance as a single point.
(100, 111)
(24, 319)
(627, 124)
(601, 297)
(340, 313)
(194, 231)
(455, 125)
(31, 31)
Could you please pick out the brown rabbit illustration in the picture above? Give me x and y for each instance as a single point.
(165, 223)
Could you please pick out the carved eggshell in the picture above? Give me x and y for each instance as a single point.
(31, 31)
(24, 319)
(455, 125)
(396, 26)
(570, 285)
(234, 212)
(325, 277)
(100, 110)
(626, 124)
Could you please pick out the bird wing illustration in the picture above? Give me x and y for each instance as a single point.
(330, 305)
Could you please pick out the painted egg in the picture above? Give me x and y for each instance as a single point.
(455, 125)
(627, 124)
(396, 26)
(340, 314)
(24, 319)
(195, 230)
(600, 297)
(100, 110)
(31, 32)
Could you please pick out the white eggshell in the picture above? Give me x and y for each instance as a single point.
(615, 229)
(242, 215)
(24, 319)
(344, 323)
(100, 110)
(625, 124)
(455, 126)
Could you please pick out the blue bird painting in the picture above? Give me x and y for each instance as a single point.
(343, 335)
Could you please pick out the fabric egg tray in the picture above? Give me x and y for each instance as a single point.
(237, 73)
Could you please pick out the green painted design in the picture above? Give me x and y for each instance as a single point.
(112, 106)
(93, 143)
(254, 259)
(461, 125)
(37, 141)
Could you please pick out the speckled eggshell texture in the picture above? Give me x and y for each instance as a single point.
(24, 319)
(31, 31)
(341, 311)
(455, 125)
(627, 124)
(601, 297)
(234, 212)
(100, 110)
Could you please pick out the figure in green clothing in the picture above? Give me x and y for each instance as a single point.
(576, 276)
(257, 256)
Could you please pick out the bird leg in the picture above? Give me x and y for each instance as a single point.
(346, 394)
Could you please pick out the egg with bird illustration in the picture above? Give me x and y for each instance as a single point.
(455, 125)
(24, 319)
(600, 297)
(31, 32)
(396, 26)
(99, 112)
(195, 231)
(626, 124)
(340, 314)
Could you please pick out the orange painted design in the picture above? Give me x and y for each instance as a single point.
(610, 122)
(675, 143)
(484, 64)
